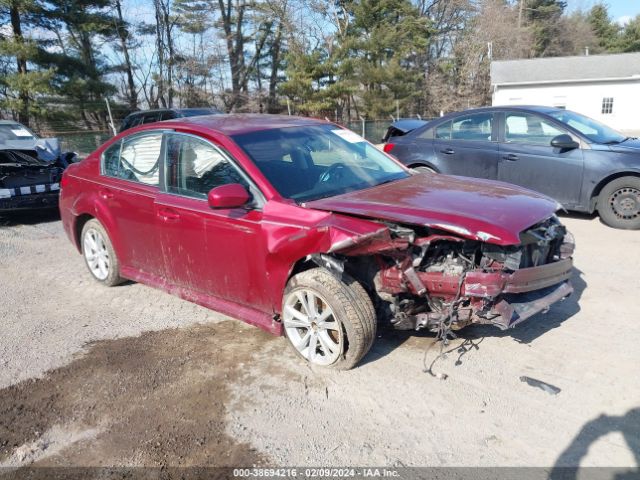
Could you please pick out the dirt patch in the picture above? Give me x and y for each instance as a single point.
(207, 395)
(159, 399)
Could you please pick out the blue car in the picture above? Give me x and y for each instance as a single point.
(583, 164)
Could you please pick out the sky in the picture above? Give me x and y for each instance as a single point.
(620, 10)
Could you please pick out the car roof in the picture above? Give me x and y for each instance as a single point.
(9, 122)
(238, 123)
(178, 110)
(531, 108)
(195, 109)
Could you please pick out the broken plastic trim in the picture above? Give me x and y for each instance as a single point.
(327, 261)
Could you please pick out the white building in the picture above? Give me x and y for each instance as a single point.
(603, 87)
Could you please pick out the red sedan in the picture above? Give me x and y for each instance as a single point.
(299, 226)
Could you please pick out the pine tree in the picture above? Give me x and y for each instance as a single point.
(27, 82)
(603, 27)
(544, 17)
(629, 40)
(81, 68)
(383, 41)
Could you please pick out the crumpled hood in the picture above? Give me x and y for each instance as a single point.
(484, 210)
(47, 149)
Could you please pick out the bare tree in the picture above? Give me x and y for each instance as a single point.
(123, 36)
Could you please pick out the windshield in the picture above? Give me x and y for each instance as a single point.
(307, 163)
(594, 131)
(15, 131)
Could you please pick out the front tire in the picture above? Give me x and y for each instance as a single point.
(99, 255)
(328, 322)
(619, 203)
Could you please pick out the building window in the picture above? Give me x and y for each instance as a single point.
(607, 105)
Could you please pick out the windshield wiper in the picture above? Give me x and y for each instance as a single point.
(616, 142)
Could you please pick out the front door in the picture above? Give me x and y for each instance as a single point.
(528, 159)
(212, 252)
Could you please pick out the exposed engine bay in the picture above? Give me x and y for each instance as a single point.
(429, 279)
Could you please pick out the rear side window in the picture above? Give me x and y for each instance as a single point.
(472, 127)
(130, 122)
(168, 115)
(443, 131)
(478, 127)
(136, 158)
(151, 117)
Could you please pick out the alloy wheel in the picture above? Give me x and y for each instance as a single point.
(96, 254)
(312, 328)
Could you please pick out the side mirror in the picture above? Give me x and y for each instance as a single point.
(564, 142)
(232, 195)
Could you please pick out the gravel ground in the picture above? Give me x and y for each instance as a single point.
(134, 376)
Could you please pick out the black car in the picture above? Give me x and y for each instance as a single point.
(583, 164)
(149, 116)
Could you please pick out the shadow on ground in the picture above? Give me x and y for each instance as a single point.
(29, 217)
(566, 466)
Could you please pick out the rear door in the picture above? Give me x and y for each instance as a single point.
(213, 252)
(465, 146)
(528, 159)
(129, 187)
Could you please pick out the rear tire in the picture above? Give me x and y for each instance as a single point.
(423, 169)
(619, 203)
(99, 255)
(329, 322)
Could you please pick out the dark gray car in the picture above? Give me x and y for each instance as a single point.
(150, 116)
(583, 164)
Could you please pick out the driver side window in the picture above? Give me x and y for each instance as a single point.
(532, 129)
(195, 166)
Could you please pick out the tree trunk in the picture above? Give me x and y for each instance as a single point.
(275, 64)
(171, 48)
(160, 50)
(21, 63)
(122, 35)
(235, 47)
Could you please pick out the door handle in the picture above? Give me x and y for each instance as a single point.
(168, 214)
(105, 193)
(448, 151)
(512, 157)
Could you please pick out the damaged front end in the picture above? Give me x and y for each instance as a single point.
(30, 177)
(427, 279)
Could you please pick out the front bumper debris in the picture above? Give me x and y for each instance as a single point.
(480, 284)
(513, 309)
(498, 298)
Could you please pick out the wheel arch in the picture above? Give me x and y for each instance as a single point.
(604, 182)
(298, 266)
(78, 224)
(423, 163)
(91, 206)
